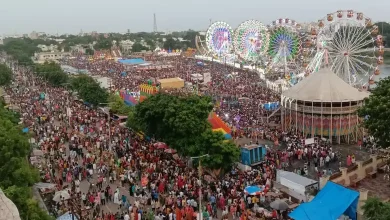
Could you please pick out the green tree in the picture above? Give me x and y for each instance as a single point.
(170, 43)
(103, 44)
(138, 47)
(89, 90)
(223, 153)
(376, 114)
(89, 51)
(17, 176)
(151, 43)
(52, 73)
(181, 122)
(118, 106)
(374, 209)
(190, 37)
(5, 75)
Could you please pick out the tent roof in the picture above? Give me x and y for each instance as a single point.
(169, 80)
(330, 203)
(301, 180)
(8, 209)
(324, 86)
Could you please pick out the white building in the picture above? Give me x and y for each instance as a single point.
(1, 41)
(126, 45)
(45, 48)
(49, 56)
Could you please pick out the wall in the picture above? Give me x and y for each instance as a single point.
(343, 177)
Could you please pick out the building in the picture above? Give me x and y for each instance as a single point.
(126, 45)
(325, 106)
(1, 41)
(45, 48)
(34, 35)
(49, 56)
(79, 48)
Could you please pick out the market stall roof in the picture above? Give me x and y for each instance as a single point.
(331, 202)
(8, 209)
(296, 178)
(324, 86)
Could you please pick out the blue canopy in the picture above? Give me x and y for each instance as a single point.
(330, 203)
(252, 190)
(132, 61)
(67, 216)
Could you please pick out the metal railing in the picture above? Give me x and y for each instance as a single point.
(323, 110)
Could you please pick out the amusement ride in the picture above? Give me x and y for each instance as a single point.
(251, 40)
(348, 43)
(285, 52)
(219, 40)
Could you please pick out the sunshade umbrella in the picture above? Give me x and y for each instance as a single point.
(160, 145)
(170, 151)
(58, 196)
(253, 190)
(279, 205)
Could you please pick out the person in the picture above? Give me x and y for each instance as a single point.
(116, 197)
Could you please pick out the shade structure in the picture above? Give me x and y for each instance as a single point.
(331, 202)
(8, 210)
(279, 205)
(324, 86)
(253, 190)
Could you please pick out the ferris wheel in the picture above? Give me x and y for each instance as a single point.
(349, 44)
(219, 38)
(286, 57)
(251, 40)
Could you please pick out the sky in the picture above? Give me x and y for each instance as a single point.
(71, 16)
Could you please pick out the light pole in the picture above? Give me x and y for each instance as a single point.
(200, 183)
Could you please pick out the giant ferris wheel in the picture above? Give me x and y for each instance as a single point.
(286, 57)
(349, 44)
(219, 40)
(251, 40)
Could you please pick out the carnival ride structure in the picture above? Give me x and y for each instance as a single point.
(348, 43)
(251, 40)
(201, 46)
(219, 41)
(287, 52)
(324, 105)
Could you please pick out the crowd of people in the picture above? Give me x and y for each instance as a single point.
(102, 164)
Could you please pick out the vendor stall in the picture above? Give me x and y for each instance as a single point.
(298, 186)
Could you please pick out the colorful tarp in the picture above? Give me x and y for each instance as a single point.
(325, 207)
(127, 98)
(218, 125)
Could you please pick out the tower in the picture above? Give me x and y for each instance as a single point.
(154, 23)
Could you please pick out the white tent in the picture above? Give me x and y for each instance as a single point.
(297, 184)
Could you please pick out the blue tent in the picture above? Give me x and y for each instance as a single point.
(330, 203)
(132, 61)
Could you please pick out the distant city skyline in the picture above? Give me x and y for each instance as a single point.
(23, 17)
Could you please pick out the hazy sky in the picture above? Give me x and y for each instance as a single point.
(70, 16)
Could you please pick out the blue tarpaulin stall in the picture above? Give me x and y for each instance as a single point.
(135, 61)
(271, 105)
(330, 203)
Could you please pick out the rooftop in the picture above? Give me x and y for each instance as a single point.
(324, 86)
